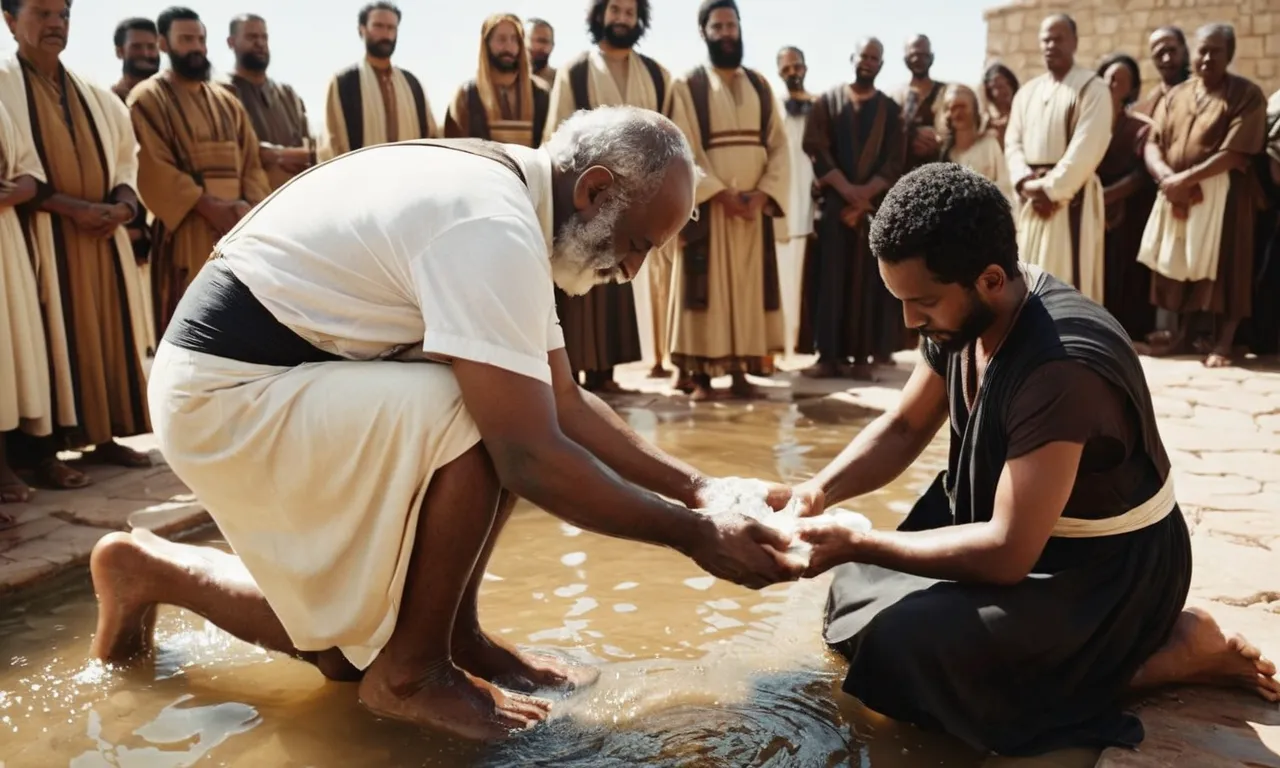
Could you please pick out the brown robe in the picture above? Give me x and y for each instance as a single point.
(483, 110)
(1128, 283)
(846, 310)
(919, 113)
(278, 116)
(108, 382)
(195, 139)
(1187, 135)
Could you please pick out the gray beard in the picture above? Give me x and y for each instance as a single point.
(582, 256)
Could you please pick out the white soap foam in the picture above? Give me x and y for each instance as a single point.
(748, 497)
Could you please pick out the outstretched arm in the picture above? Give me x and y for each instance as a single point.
(887, 446)
(588, 421)
(517, 419)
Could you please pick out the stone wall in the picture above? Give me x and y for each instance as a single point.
(1108, 26)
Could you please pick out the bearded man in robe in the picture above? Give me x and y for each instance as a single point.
(1059, 131)
(89, 285)
(199, 170)
(1199, 239)
(276, 111)
(374, 102)
(614, 324)
(541, 37)
(505, 102)
(727, 305)
(796, 237)
(1041, 581)
(855, 137)
(921, 100)
(24, 364)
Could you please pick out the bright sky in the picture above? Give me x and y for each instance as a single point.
(439, 39)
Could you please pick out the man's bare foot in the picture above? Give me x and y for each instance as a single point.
(448, 698)
(1198, 653)
(702, 393)
(658, 372)
(126, 621)
(1218, 359)
(13, 490)
(54, 473)
(742, 389)
(117, 455)
(492, 659)
(823, 369)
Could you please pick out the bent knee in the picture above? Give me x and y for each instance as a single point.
(473, 466)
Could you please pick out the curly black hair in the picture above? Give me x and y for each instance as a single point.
(1135, 74)
(595, 18)
(957, 221)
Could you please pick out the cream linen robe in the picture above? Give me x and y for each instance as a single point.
(120, 149)
(735, 324)
(335, 141)
(651, 285)
(24, 363)
(793, 237)
(1037, 136)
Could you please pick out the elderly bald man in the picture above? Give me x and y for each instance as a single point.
(359, 386)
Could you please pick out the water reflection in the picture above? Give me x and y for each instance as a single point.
(696, 672)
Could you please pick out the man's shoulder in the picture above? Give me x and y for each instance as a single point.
(148, 90)
(1242, 89)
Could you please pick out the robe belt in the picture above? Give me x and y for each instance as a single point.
(1150, 512)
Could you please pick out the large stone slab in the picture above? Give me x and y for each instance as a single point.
(1192, 435)
(1261, 466)
(1206, 728)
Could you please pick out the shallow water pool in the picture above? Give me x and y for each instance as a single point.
(695, 671)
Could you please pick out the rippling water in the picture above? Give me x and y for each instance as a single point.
(695, 672)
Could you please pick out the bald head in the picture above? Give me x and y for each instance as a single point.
(1058, 43)
(624, 182)
(918, 56)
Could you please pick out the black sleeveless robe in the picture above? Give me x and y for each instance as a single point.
(1040, 665)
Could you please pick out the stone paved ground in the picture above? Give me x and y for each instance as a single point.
(1222, 428)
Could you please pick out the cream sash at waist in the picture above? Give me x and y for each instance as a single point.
(1150, 512)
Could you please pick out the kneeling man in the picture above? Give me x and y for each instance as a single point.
(365, 375)
(1043, 576)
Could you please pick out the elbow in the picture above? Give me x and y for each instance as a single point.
(1005, 574)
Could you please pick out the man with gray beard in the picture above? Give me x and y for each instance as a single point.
(278, 115)
(357, 388)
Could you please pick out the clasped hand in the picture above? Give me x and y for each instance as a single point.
(742, 205)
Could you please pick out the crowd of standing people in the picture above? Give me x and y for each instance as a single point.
(1162, 208)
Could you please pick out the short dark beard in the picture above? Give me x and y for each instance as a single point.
(192, 66)
(504, 65)
(131, 68)
(979, 319)
(867, 82)
(540, 63)
(726, 53)
(253, 62)
(795, 83)
(380, 49)
(625, 40)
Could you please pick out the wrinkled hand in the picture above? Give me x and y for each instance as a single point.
(832, 544)
(739, 549)
(755, 203)
(1033, 192)
(811, 499)
(222, 215)
(95, 219)
(121, 214)
(851, 215)
(731, 201)
(856, 195)
(924, 143)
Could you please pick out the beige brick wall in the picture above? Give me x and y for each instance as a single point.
(1124, 25)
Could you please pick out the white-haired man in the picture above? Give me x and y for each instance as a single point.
(296, 394)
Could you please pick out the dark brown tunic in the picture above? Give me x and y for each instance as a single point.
(1188, 131)
(846, 310)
